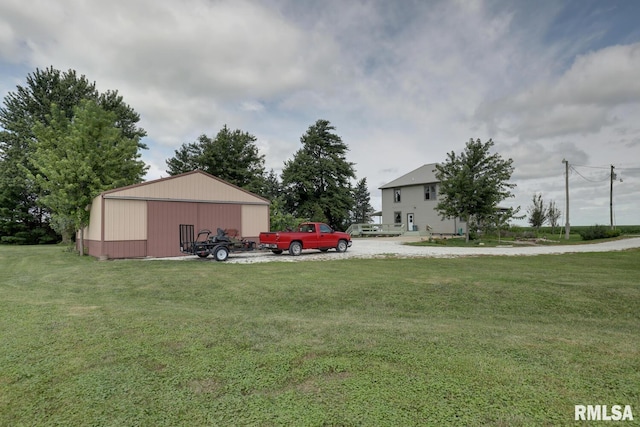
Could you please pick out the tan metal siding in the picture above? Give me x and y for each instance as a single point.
(254, 220)
(92, 232)
(125, 220)
(195, 186)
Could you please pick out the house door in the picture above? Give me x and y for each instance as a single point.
(410, 222)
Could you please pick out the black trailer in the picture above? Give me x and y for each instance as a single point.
(206, 243)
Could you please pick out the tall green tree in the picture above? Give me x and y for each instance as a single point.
(362, 209)
(75, 160)
(22, 218)
(473, 182)
(317, 181)
(231, 155)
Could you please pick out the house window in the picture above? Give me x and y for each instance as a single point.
(430, 192)
(397, 217)
(396, 195)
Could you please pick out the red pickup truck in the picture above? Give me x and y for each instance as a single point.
(310, 235)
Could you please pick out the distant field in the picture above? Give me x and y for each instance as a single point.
(575, 229)
(504, 341)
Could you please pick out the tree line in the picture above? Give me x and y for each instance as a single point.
(316, 184)
(62, 143)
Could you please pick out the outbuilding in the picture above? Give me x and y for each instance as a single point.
(143, 220)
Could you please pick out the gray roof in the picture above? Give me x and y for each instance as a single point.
(425, 174)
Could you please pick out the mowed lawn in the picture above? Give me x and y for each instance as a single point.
(503, 341)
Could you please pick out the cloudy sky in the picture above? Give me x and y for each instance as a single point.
(404, 82)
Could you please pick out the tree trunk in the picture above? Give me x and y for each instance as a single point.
(81, 242)
(466, 234)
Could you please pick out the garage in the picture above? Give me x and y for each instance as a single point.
(143, 220)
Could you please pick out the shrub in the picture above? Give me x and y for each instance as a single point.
(598, 232)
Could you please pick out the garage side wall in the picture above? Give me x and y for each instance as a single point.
(93, 232)
(125, 228)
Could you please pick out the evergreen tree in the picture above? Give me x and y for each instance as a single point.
(317, 180)
(362, 210)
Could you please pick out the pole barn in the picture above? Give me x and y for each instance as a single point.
(143, 220)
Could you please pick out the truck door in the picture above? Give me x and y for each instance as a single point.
(326, 239)
(311, 240)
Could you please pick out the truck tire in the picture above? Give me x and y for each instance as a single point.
(277, 251)
(295, 248)
(342, 246)
(221, 253)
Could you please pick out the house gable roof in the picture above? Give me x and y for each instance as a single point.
(190, 186)
(425, 174)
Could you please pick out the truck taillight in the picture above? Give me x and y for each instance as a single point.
(277, 236)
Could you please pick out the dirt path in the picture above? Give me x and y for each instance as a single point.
(383, 247)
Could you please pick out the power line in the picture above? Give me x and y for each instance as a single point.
(592, 167)
(585, 178)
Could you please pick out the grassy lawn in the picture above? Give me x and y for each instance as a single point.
(503, 341)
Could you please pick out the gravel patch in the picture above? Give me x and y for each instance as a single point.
(394, 247)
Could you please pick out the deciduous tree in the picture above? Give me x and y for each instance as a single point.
(231, 155)
(473, 183)
(75, 160)
(553, 215)
(538, 213)
(22, 218)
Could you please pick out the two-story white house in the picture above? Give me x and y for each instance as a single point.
(412, 199)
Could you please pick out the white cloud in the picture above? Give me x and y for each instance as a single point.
(579, 101)
(403, 82)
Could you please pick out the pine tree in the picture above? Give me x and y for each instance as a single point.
(362, 210)
(317, 181)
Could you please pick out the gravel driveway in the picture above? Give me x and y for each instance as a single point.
(389, 246)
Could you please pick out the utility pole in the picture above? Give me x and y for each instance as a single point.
(566, 181)
(613, 176)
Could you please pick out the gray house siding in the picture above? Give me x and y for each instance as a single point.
(413, 204)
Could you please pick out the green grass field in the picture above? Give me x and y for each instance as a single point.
(500, 341)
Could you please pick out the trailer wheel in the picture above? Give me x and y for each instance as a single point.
(203, 254)
(342, 246)
(221, 253)
(295, 248)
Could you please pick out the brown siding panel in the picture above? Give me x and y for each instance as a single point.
(125, 249)
(117, 249)
(163, 219)
(214, 216)
(93, 247)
